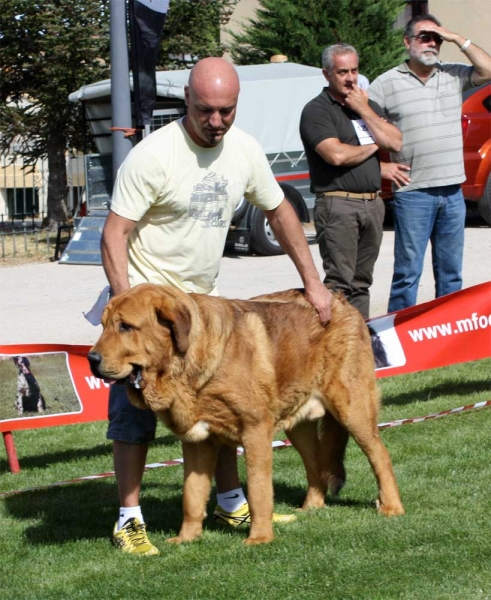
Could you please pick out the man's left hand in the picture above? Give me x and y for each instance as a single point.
(445, 34)
(396, 172)
(320, 298)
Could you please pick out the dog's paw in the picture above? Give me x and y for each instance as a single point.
(335, 485)
(254, 541)
(174, 540)
(390, 510)
(188, 533)
(315, 499)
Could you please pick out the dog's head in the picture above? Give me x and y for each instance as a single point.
(145, 331)
(22, 363)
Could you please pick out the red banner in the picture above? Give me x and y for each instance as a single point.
(446, 331)
(62, 377)
(50, 384)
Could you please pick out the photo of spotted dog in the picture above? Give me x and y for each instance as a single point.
(378, 348)
(29, 397)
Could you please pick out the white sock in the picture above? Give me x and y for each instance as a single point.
(127, 512)
(231, 500)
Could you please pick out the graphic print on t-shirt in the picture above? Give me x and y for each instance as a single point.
(209, 200)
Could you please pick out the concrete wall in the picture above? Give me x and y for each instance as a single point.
(470, 18)
(245, 9)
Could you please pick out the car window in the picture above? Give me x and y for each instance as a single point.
(473, 90)
(487, 103)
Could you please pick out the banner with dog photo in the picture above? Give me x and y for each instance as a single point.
(48, 384)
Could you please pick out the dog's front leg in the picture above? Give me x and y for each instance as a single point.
(259, 461)
(199, 464)
(18, 403)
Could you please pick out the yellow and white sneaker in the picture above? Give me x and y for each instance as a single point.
(132, 538)
(242, 516)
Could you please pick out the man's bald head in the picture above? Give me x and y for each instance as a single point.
(211, 99)
(214, 74)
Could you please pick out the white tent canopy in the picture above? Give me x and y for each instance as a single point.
(270, 103)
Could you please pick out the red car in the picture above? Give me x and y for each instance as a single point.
(476, 129)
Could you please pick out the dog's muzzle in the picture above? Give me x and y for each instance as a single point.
(133, 379)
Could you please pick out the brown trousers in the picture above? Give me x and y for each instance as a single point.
(349, 234)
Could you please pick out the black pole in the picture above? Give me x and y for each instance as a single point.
(134, 59)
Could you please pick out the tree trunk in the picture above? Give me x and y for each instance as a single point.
(57, 186)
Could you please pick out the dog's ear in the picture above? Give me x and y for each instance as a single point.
(177, 314)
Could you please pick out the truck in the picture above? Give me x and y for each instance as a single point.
(270, 103)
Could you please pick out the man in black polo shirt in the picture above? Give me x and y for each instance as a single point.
(342, 132)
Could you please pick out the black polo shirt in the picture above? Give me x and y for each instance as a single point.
(323, 118)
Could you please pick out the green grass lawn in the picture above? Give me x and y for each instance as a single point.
(54, 542)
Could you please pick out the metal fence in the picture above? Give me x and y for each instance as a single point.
(23, 206)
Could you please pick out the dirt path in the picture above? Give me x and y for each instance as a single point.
(43, 303)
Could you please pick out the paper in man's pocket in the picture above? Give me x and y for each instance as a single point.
(362, 132)
(95, 313)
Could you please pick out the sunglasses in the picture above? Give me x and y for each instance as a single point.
(426, 37)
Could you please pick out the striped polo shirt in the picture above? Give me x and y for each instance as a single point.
(429, 116)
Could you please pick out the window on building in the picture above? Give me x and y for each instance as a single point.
(413, 9)
(22, 201)
(418, 7)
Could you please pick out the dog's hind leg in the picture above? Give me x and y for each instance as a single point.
(358, 412)
(199, 464)
(41, 405)
(368, 438)
(333, 439)
(304, 438)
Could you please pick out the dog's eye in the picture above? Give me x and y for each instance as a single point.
(125, 327)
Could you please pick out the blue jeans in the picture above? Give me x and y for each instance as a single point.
(436, 214)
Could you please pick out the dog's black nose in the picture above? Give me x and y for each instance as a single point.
(94, 358)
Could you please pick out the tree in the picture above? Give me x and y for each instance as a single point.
(192, 31)
(302, 29)
(48, 50)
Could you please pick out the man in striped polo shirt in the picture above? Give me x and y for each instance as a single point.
(423, 97)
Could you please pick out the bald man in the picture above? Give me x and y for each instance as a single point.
(171, 209)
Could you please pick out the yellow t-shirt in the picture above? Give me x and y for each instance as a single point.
(183, 198)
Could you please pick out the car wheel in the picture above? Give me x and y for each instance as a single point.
(263, 240)
(484, 203)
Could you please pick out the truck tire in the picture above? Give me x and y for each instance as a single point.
(484, 203)
(263, 240)
(297, 201)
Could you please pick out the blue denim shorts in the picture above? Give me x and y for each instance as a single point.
(126, 422)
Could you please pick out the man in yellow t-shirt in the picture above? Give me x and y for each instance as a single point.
(173, 201)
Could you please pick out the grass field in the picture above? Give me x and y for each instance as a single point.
(54, 542)
(27, 246)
